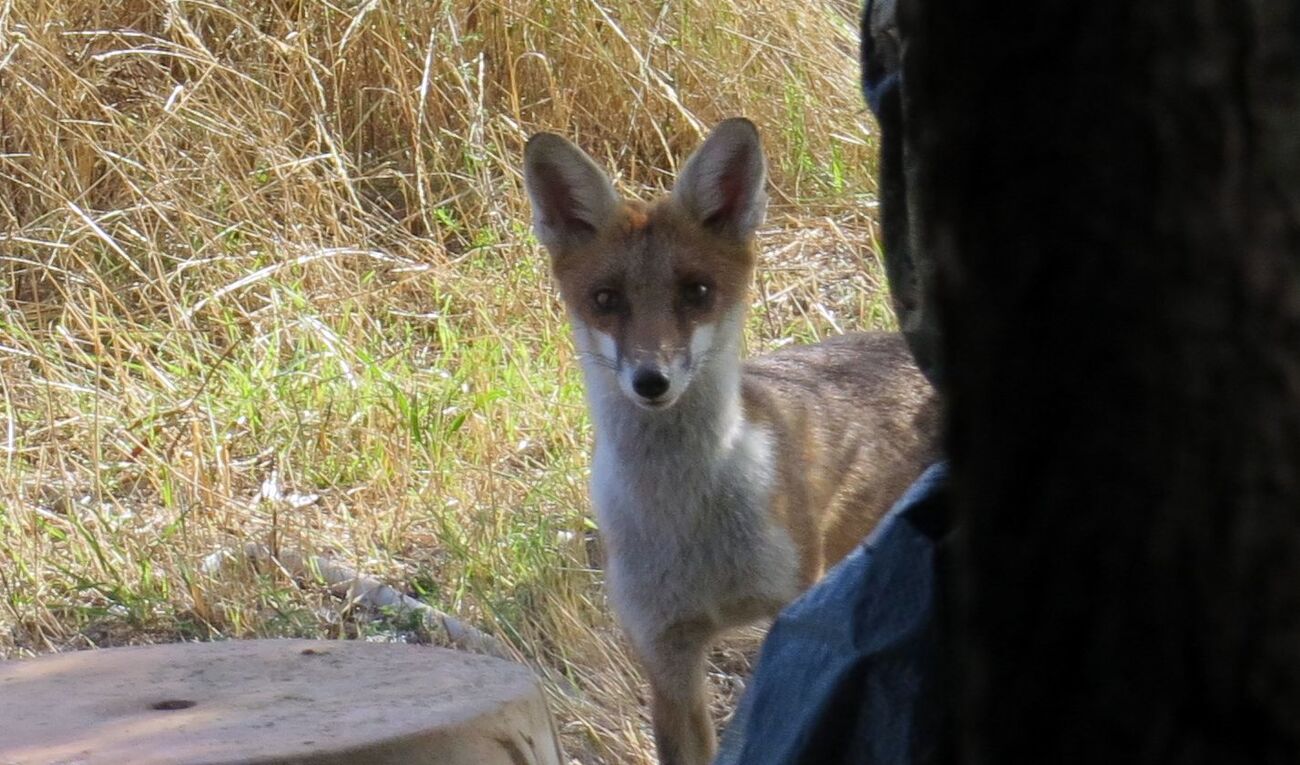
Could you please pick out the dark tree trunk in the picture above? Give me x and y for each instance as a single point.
(1112, 194)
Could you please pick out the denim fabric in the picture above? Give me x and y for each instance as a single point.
(847, 673)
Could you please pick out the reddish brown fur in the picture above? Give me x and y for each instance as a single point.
(644, 253)
(807, 395)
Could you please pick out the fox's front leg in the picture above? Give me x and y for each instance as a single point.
(674, 661)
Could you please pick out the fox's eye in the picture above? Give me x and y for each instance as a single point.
(697, 294)
(606, 300)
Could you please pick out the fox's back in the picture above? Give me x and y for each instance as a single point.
(854, 422)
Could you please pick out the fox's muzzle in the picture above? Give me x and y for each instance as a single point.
(650, 383)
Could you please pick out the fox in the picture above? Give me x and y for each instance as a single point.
(722, 487)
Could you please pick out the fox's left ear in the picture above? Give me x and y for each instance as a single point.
(721, 185)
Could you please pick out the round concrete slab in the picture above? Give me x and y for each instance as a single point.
(273, 701)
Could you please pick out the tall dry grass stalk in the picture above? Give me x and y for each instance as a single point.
(267, 277)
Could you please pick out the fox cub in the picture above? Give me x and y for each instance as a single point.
(722, 488)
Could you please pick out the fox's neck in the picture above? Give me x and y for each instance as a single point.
(700, 426)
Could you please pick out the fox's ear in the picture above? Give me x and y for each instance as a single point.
(721, 185)
(570, 194)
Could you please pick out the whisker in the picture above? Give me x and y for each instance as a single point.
(600, 359)
(702, 359)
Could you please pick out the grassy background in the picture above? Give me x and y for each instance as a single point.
(267, 277)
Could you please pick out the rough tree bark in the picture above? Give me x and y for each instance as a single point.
(1112, 194)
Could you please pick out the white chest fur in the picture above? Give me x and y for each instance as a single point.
(683, 504)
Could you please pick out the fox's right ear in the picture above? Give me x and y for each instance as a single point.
(721, 185)
(571, 195)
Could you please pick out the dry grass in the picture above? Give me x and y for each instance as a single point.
(267, 277)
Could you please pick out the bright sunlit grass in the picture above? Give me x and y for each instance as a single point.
(268, 279)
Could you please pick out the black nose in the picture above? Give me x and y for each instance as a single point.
(649, 383)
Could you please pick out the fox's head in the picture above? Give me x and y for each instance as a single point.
(652, 290)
